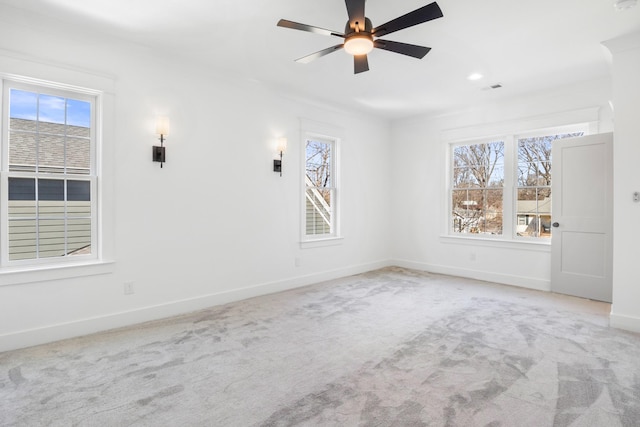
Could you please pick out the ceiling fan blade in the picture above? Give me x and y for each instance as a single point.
(304, 27)
(418, 16)
(360, 64)
(403, 48)
(355, 9)
(319, 54)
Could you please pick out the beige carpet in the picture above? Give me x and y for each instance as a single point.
(392, 347)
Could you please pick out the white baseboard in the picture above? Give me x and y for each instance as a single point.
(51, 333)
(505, 279)
(620, 321)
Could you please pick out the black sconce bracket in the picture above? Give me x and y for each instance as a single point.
(159, 152)
(277, 164)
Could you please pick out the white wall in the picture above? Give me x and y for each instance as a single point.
(216, 223)
(625, 312)
(420, 199)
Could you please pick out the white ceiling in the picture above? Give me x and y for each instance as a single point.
(525, 45)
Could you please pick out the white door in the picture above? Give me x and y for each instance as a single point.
(581, 243)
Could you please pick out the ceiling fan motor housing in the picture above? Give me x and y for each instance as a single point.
(359, 34)
(358, 41)
(356, 27)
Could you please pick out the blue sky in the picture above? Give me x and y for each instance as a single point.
(48, 108)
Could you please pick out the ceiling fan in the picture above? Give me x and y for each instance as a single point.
(360, 37)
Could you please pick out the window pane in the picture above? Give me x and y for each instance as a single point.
(50, 189)
(527, 174)
(467, 210)
(51, 238)
(318, 164)
(78, 236)
(493, 212)
(459, 177)
(78, 209)
(544, 173)
(45, 128)
(464, 178)
(545, 226)
(479, 165)
(22, 189)
(544, 212)
(22, 239)
(496, 176)
(78, 191)
(78, 155)
(78, 114)
(475, 204)
(23, 105)
(22, 209)
(51, 109)
(318, 211)
(22, 151)
(51, 152)
(534, 212)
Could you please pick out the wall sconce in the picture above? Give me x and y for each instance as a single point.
(162, 129)
(282, 147)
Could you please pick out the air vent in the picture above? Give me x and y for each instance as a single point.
(495, 86)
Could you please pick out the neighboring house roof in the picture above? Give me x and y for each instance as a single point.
(54, 144)
(533, 207)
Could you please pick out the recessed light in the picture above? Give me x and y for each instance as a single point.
(493, 86)
(474, 76)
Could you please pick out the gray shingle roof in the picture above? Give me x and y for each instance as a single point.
(48, 142)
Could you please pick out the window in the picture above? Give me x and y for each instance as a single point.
(478, 184)
(320, 189)
(48, 205)
(502, 187)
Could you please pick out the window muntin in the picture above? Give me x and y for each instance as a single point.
(49, 212)
(320, 188)
(478, 180)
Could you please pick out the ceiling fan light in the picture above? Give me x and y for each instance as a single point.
(359, 44)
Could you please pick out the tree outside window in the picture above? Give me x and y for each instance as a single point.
(514, 170)
(320, 187)
(533, 206)
(478, 181)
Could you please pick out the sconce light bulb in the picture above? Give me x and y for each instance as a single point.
(282, 145)
(162, 126)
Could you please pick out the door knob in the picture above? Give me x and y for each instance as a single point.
(555, 224)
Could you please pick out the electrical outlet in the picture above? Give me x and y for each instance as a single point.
(472, 256)
(128, 288)
(297, 262)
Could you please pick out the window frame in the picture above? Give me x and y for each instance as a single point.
(483, 141)
(7, 83)
(510, 187)
(309, 240)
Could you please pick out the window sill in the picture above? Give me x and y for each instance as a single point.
(42, 273)
(527, 245)
(321, 243)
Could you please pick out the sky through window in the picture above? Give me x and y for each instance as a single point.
(48, 108)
